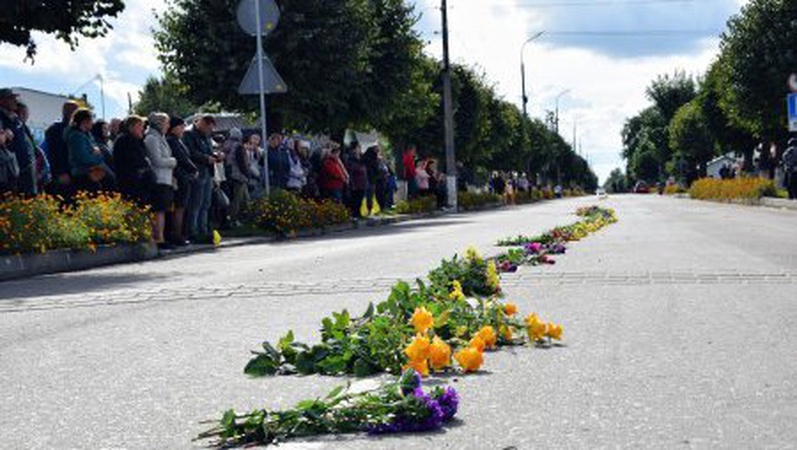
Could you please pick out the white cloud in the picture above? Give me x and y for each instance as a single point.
(604, 90)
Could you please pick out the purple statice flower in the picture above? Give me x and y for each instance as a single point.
(507, 267)
(556, 248)
(533, 248)
(449, 402)
(435, 416)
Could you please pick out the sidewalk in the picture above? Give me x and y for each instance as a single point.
(58, 261)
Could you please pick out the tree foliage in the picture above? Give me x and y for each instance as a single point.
(66, 20)
(757, 56)
(164, 94)
(691, 137)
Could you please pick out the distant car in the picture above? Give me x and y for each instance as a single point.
(600, 192)
(641, 188)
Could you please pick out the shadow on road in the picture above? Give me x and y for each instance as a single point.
(65, 284)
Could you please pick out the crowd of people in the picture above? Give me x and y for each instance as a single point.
(190, 176)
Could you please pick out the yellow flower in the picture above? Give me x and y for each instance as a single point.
(535, 327)
(461, 330)
(216, 238)
(487, 334)
(478, 343)
(456, 293)
(420, 366)
(418, 348)
(422, 319)
(492, 276)
(472, 255)
(470, 359)
(554, 331)
(510, 309)
(439, 354)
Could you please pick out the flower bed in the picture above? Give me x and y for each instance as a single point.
(469, 201)
(38, 224)
(735, 190)
(419, 205)
(286, 213)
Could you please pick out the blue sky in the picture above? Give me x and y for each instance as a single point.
(606, 74)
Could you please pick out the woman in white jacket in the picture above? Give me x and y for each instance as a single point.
(163, 164)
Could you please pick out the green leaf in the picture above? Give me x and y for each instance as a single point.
(271, 351)
(363, 368)
(335, 392)
(286, 341)
(261, 365)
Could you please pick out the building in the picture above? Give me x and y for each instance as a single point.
(44, 107)
(715, 165)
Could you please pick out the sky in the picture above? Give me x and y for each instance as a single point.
(602, 52)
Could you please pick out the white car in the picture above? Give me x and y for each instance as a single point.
(601, 192)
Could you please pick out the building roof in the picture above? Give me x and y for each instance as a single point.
(722, 159)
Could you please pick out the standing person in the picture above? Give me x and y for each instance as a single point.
(58, 154)
(790, 167)
(42, 166)
(85, 157)
(185, 173)
(200, 147)
(9, 170)
(19, 144)
(242, 171)
(134, 175)
(113, 129)
(391, 188)
(163, 165)
(409, 173)
(101, 133)
(334, 176)
(279, 165)
(422, 178)
(377, 178)
(358, 181)
(297, 176)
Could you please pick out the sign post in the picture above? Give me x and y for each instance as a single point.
(258, 18)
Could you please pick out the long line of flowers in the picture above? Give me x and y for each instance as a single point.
(445, 324)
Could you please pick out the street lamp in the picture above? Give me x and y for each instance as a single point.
(556, 114)
(523, 70)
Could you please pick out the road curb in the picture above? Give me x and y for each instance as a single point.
(56, 261)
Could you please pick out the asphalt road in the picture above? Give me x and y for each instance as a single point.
(680, 325)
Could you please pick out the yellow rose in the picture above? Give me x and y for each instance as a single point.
(478, 343)
(418, 348)
(472, 255)
(554, 331)
(439, 354)
(420, 366)
(422, 319)
(470, 359)
(535, 328)
(487, 334)
(510, 309)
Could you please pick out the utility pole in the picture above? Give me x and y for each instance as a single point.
(448, 116)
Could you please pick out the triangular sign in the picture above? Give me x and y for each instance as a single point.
(272, 81)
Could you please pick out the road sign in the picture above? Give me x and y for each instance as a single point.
(247, 16)
(272, 81)
(792, 101)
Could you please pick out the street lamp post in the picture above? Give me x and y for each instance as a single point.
(523, 71)
(556, 114)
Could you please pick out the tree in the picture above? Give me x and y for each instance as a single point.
(757, 56)
(346, 62)
(669, 93)
(166, 95)
(67, 20)
(690, 136)
(616, 182)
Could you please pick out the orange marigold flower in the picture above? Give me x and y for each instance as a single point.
(478, 343)
(418, 348)
(420, 366)
(439, 354)
(510, 309)
(422, 320)
(470, 359)
(487, 334)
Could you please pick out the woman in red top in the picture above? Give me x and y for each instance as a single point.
(334, 176)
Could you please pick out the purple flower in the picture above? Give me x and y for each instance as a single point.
(533, 248)
(435, 415)
(410, 382)
(449, 402)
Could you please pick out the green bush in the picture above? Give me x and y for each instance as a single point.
(416, 206)
(285, 213)
(473, 200)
